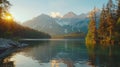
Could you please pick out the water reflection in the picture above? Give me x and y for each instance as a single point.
(104, 55)
(5, 62)
(64, 53)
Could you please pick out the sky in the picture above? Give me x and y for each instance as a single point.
(23, 10)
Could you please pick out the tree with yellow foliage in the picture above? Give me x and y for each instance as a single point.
(92, 31)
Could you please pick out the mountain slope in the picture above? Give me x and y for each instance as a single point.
(70, 15)
(69, 23)
(45, 24)
(14, 30)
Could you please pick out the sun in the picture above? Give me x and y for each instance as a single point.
(8, 18)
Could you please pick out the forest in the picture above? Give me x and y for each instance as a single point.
(9, 28)
(109, 25)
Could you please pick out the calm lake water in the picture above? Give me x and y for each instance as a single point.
(63, 53)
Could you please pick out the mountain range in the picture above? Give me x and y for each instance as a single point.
(69, 23)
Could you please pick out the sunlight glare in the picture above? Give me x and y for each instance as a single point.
(8, 17)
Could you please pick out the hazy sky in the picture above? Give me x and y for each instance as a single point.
(24, 10)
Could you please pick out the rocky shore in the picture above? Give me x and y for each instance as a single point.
(7, 43)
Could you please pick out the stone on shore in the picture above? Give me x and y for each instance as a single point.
(7, 43)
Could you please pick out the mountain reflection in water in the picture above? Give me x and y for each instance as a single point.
(64, 53)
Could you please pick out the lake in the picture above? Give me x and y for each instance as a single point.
(63, 53)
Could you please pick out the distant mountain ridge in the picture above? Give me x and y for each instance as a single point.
(70, 15)
(69, 23)
(45, 24)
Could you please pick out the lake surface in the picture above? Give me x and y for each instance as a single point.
(63, 53)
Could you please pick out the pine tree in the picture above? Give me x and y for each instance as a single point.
(4, 6)
(118, 9)
(102, 25)
(110, 20)
(111, 25)
(92, 33)
(118, 21)
(107, 24)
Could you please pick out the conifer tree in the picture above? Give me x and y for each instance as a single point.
(118, 9)
(111, 25)
(102, 25)
(118, 21)
(4, 6)
(109, 21)
(92, 33)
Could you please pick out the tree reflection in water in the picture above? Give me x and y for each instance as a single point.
(6, 63)
(103, 55)
(64, 54)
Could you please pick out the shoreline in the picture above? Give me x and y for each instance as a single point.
(7, 46)
(8, 43)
